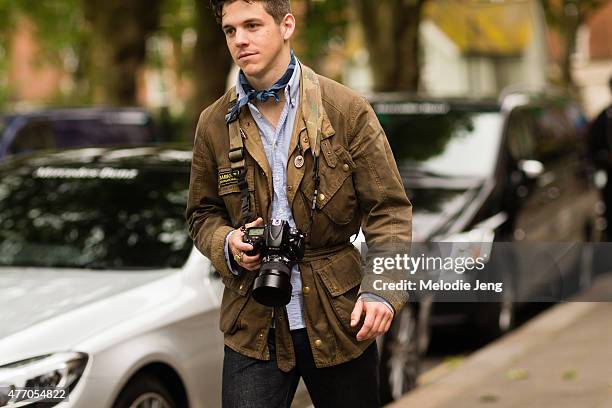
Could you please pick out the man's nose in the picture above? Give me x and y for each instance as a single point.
(241, 38)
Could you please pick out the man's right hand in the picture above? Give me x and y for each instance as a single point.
(237, 247)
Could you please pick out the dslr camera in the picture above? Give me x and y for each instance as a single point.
(280, 247)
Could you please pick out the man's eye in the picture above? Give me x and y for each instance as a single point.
(229, 31)
(250, 26)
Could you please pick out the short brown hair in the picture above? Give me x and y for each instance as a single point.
(276, 8)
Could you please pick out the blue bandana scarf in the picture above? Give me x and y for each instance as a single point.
(262, 95)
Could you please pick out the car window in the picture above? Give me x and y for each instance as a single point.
(455, 143)
(555, 136)
(93, 217)
(107, 130)
(521, 141)
(38, 135)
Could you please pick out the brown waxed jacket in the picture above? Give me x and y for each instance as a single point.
(360, 187)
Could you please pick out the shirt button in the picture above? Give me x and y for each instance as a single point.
(289, 188)
(305, 140)
(321, 197)
(318, 343)
(345, 167)
(306, 290)
(241, 286)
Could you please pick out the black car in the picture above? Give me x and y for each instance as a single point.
(79, 127)
(491, 172)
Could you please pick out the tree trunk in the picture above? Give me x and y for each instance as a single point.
(212, 61)
(569, 29)
(119, 34)
(391, 31)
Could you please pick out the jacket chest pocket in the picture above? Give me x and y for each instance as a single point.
(336, 196)
(229, 192)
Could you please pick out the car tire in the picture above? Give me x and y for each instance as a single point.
(400, 356)
(145, 391)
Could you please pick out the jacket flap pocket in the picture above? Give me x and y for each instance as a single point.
(331, 181)
(341, 273)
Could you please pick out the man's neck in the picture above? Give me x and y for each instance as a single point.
(269, 78)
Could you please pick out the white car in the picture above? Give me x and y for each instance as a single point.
(101, 291)
(103, 296)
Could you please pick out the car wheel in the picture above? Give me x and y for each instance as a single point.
(399, 362)
(145, 391)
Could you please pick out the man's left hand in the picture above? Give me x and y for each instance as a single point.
(377, 321)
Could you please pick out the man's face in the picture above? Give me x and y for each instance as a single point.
(253, 37)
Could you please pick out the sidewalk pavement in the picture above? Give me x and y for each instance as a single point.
(561, 358)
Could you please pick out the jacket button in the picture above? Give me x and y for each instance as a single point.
(306, 290)
(321, 197)
(345, 167)
(318, 343)
(241, 286)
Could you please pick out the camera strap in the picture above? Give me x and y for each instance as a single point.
(311, 111)
(236, 158)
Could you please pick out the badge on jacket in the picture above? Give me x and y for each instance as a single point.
(226, 178)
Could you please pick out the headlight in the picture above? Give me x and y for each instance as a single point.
(60, 370)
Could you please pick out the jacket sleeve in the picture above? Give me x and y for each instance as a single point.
(207, 217)
(386, 210)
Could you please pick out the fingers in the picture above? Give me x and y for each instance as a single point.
(356, 314)
(237, 246)
(257, 223)
(249, 262)
(377, 321)
(236, 238)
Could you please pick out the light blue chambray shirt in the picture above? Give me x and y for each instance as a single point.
(276, 145)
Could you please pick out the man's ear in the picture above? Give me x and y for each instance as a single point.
(287, 26)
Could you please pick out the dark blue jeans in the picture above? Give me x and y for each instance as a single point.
(251, 383)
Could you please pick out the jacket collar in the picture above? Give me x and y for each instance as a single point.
(311, 114)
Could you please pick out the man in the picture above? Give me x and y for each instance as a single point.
(285, 143)
(600, 143)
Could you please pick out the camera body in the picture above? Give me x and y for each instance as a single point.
(280, 247)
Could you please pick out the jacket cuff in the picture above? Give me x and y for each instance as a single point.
(397, 298)
(365, 296)
(217, 251)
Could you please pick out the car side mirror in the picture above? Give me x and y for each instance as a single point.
(532, 169)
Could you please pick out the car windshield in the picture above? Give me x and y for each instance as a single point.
(437, 140)
(93, 217)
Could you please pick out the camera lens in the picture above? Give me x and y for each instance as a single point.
(273, 285)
